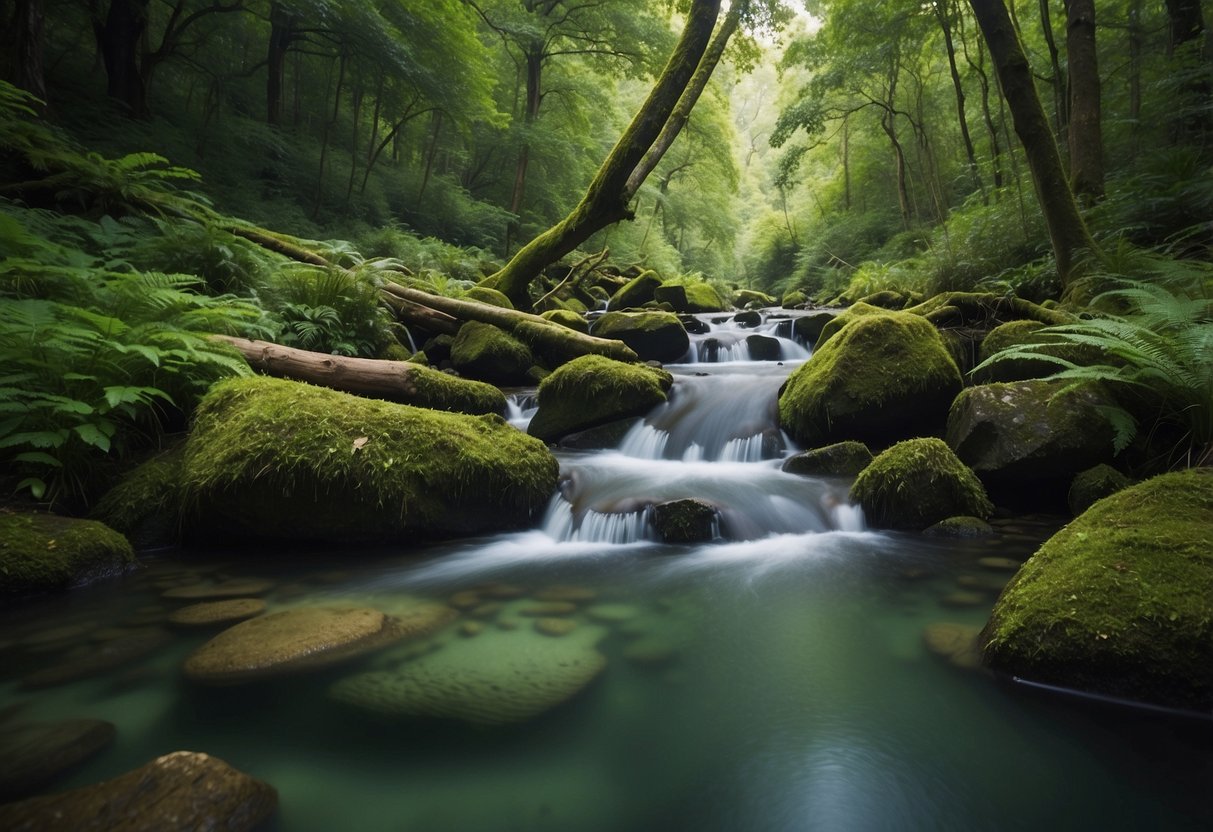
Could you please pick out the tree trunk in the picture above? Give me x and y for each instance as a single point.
(942, 13)
(1059, 80)
(534, 97)
(26, 38)
(1186, 29)
(394, 381)
(325, 134)
(1067, 231)
(987, 115)
(606, 199)
(1136, 37)
(1086, 134)
(430, 154)
(120, 36)
(282, 32)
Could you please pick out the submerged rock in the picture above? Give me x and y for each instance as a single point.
(182, 790)
(34, 754)
(960, 527)
(211, 613)
(46, 552)
(842, 459)
(1094, 484)
(882, 378)
(279, 459)
(235, 588)
(1030, 432)
(500, 677)
(303, 639)
(684, 521)
(96, 659)
(917, 483)
(655, 336)
(957, 643)
(592, 391)
(1118, 601)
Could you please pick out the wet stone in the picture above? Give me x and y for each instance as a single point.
(555, 626)
(471, 628)
(34, 754)
(98, 659)
(1000, 564)
(211, 613)
(464, 600)
(547, 608)
(955, 642)
(488, 610)
(501, 591)
(223, 589)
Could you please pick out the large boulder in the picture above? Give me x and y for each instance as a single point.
(655, 336)
(46, 552)
(1118, 601)
(592, 391)
(182, 790)
(808, 328)
(568, 320)
(491, 354)
(832, 325)
(842, 459)
(145, 504)
(689, 297)
(1030, 433)
(752, 299)
(483, 294)
(918, 483)
(882, 378)
(685, 521)
(636, 292)
(280, 459)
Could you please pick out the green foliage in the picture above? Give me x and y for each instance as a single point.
(327, 310)
(1158, 359)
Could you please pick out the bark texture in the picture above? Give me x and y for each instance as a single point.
(1086, 136)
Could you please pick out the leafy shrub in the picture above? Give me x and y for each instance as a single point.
(327, 310)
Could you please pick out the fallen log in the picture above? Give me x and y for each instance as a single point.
(423, 317)
(554, 343)
(394, 381)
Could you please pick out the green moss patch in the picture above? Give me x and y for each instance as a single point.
(486, 352)
(636, 292)
(441, 391)
(483, 294)
(882, 378)
(917, 483)
(593, 390)
(145, 505)
(1120, 601)
(568, 319)
(279, 459)
(46, 553)
(655, 336)
(1094, 484)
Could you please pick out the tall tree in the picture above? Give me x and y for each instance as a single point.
(1086, 131)
(1067, 231)
(943, 13)
(24, 45)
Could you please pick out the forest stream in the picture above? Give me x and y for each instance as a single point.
(776, 677)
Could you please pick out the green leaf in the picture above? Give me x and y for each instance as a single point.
(38, 458)
(93, 435)
(36, 487)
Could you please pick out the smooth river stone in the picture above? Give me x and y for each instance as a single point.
(210, 613)
(183, 790)
(573, 594)
(498, 678)
(99, 658)
(291, 641)
(33, 754)
(555, 626)
(542, 609)
(955, 642)
(226, 589)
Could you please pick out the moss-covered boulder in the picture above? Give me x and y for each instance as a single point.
(835, 323)
(918, 483)
(684, 521)
(960, 528)
(280, 459)
(1029, 333)
(145, 504)
(1094, 484)
(842, 459)
(655, 336)
(46, 553)
(807, 328)
(793, 299)
(703, 297)
(483, 294)
(886, 299)
(592, 391)
(673, 294)
(753, 299)
(486, 352)
(568, 319)
(1030, 432)
(984, 310)
(636, 292)
(880, 379)
(1118, 602)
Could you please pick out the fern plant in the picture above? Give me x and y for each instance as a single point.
(1158, 350)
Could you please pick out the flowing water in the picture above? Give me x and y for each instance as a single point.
(772, 679)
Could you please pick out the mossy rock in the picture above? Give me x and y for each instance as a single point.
(491, 354)
(568, 319)
(985, 310)
(887, 299)
(883, 378)
(145, 505)
(592, 391)
(279, 459)
(1030, 432)
(483, 294)
(752, 299)
(636, 292)
(673, 294)
(918, 483)
(961, 527)
(1118, 601)
(1094, 484)
(655, 336)
(46, 553)
(793, 299)
(807, 328)
(1023, 333)
(437, 390)
(842, 459)
(684, 521)
(395, 351)
(834, 325)
(438, 348)
(703, 297)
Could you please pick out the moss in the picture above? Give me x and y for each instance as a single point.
(483, 294)
(703, 297)
(1118, 602)
(888, 299)
(440, 391)
(395, 352)
(1094, 484)
(832, 327)
(884, 377)
(280, 459)
(1017, 333)
(962, 527)
(793, 298)
(46, 553)
(485, 352)
(843, 459)
(593, 390)
(575, 306)
(636, 292)
(917, 483)
(145, 505)
(655, 336)
(985, 309)
(567, 319)
(751, 299)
